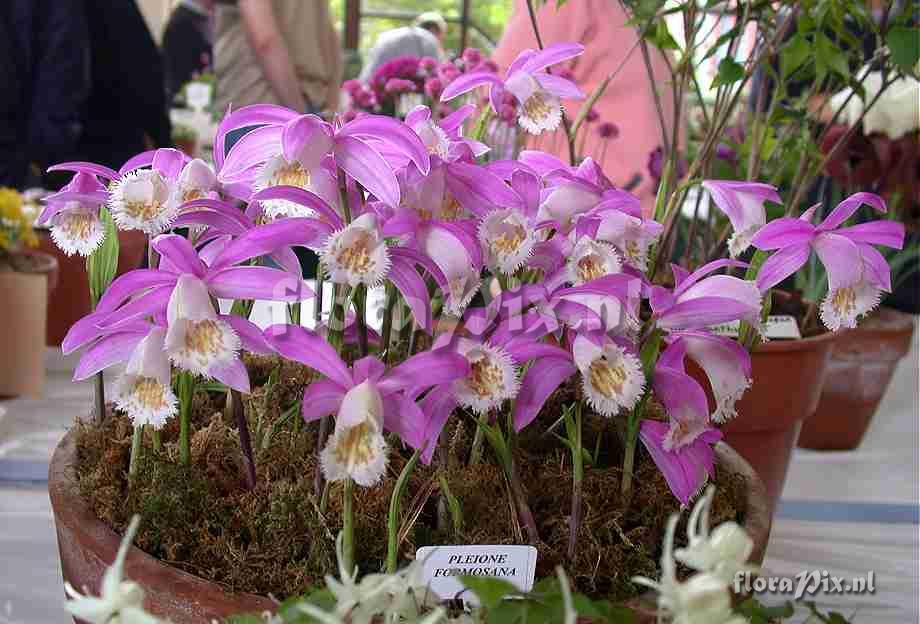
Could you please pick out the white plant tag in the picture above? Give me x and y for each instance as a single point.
(779, 326)
(443, 565)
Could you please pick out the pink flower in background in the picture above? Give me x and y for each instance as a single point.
(743, 204)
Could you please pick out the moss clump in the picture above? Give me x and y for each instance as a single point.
(279, 537)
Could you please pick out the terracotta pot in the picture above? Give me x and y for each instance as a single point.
(859, 371)
(787, 379)
(87, 546)
(70, 301)
(25, 291)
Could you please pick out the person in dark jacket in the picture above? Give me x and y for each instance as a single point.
(44, 70)
(127, 111)
(187, 42)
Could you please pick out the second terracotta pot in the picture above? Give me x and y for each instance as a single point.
(859, 372)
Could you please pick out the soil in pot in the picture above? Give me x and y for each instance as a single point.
(859, 371)
(275, 538)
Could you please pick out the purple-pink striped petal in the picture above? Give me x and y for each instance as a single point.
(887, 233)
(551, 55)
(368, 167)
(467, 82)
(781, 265)
(310, 349)
(848, 206)
(393, 132)
(86, 167)
(321, 398)
(541, 380)
(180, 253)
(259, 283)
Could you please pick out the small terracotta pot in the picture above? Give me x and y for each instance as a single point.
(787, 379)
(87, 546)
(859, 372)
(70, 302)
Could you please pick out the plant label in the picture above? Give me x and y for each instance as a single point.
(779, 326)
(444, 565)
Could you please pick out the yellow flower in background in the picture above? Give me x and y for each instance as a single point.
(15, 225)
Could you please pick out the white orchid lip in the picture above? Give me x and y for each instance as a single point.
(591, 260)
(145, 400)
(197, 340)
(140, 200)
(507, 240)
(843, 305)
(357, 254)
(357, 448)
(539, 110)
(77, 230)
(278, 171)
(493, 378)
(612, 378)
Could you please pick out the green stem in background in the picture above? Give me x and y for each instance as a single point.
(348, 525)
(318, 297)
(387, 330)
(238, 415)
(155, 436)
(360, 298)
(476, 447)
(399, 490)
(101, 267)
(503, 452)
(135, 451)
(186, 382)
(578, 471)
(99, 397)
(629, 455)
(293, 310)
(336, 327)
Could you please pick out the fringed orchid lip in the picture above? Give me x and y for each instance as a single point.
(612, 378)
(843, 305)
(591, 260)
(493, 378)
(197, 340)
(140, 200)
(743, 204)
(507, 240)
(77, 229)
(278, 171)
(357, 448)
(357, 254)
(196, 181)
(144, 391)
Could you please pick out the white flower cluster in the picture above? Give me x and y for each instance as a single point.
(717, 556)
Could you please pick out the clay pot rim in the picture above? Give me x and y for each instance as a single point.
(49, 264)
(802, 344)
(70, 508)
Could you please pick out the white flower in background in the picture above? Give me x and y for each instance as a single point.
(197, 339)
(591, 260)
(612, 378)
(357, 254)
(144, 391)
(704, 598)
(723, 552)
(895, 113)
(506, 239)
(493, 377)
(357, 448)
(121, 601)
(141, 201)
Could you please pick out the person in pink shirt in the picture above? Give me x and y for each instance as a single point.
(626, 112)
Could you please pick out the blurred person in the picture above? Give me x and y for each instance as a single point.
(277, 52)
(44, 70)
(187, 41)
(628, 104)
(127, 111)
(423, 38)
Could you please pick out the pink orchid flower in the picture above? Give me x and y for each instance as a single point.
(538, 92)
(743, 204)
(73, 213)
(857, 273)
(366, 398)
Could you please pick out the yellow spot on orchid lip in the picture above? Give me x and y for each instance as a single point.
(844, 301)
(508, 242)
(143, 211)
(150, 393)
(355, 446)
(607, 379)
(192, 195)
(204, 339)
(485, 377)
(356, 256)
(590, 268)
(536, 107)
(451, 209)
(291, 174)
(77, 225)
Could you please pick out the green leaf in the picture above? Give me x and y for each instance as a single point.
(730, 71)
(490, 591)
(662, 37)
(904, 44)
(794, 54)
(829, 56)
(649, 353)
(102, 264)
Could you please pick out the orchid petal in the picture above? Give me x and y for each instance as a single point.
(783, 233)
(541, 380)
(249, 333)
(256, 282)
(437, 406)
(232, 374)
(368, 167)
(423, 370)
(391, 131)
(169, 162)
(551, 55)
(302, 197)
(321, 398)
(887, 233)
(129, 283)
(478, 190)
(250, 151)
(255, 115)
(456, 119)
(781, 265)
(180, 253)
(560, 87)
(705, 270)
(839, 256)
(86, 167)
(467, 82)
(848, 206)
(310, 349)
(307, 140)
(266, 239)
(412, 287)
(109, 350)
(703, 312)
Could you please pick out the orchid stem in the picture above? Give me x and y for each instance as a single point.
(155, 437)
(524, 512)
(399, 490)
(476, 448)
(578, 470)
(318, 479)
(361, 318)
(629, 457)
(238, 414)
(186, 393)
(99, 396)
(387, 329)
(294, 312)
(318, 297)
(135, 451)
(348, 525)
